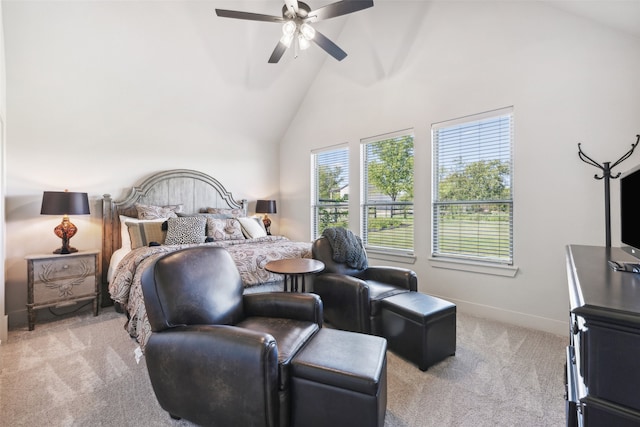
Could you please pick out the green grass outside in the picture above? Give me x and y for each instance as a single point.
(475, 237)
(396, 234)
(471, 235)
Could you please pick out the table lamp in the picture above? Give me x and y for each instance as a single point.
(65, 203)
(266, 207)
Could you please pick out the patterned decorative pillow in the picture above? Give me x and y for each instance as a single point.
(232, 212)
(185, 230)
(156, 212)
(143, 233)
(207, 215)
(251, 229)
(224, 229)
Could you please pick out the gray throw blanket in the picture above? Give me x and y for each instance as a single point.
(347, 247)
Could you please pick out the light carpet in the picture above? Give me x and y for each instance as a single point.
(81, 371)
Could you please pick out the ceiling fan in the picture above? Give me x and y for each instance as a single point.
(296, 19)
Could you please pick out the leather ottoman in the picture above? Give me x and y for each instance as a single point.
(340, 380)
(419, 327)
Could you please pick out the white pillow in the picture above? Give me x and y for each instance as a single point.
(251, 229)
(258, 219)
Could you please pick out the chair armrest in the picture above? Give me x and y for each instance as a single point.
(235, 367)
(305, 307)
(401, 277)
(346, 300)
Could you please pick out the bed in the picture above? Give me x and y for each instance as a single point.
(131, 244)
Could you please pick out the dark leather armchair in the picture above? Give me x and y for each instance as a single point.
(217, 356)
(351, 297)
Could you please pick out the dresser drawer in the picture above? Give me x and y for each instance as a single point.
(613, 364)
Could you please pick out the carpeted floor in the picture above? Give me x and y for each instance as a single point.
(81, 371)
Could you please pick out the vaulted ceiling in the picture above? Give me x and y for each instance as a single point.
(213, 70)
(378, 40)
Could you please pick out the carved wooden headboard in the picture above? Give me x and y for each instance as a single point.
(192, 189)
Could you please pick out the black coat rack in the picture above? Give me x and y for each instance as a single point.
(606, 168)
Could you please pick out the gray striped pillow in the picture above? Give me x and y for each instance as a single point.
(143, 233)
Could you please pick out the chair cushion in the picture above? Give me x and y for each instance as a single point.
(290, 335)
(379, 291)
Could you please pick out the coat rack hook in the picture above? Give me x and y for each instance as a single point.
(606, 168)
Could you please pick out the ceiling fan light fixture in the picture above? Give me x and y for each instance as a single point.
(289, 28)
(303, 42)
(295, 20)
(286, 40)
(307, 31)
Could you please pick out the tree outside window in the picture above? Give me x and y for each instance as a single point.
(387, 210)
(472, 197)
(330, 198)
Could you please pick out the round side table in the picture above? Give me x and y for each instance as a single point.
(294, 268)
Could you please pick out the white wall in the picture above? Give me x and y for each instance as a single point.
(102, 94)
(419, 63)
(4, 319)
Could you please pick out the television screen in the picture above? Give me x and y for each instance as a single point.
(629, 211)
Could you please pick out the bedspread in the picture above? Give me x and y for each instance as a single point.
(250, 256)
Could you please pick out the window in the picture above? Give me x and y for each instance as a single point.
(330, 190)
(387, 192)
(472, 187)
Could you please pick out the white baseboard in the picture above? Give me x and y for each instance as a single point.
(525, 320)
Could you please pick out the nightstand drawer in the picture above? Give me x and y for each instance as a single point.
(63, 278)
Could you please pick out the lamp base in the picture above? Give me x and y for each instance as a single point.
(65, 251)
(267, 224)
(66, 230)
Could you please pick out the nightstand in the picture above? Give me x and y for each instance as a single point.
(61, 280)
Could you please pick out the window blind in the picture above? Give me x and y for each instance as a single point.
(387, 192)
(472, 187)
(330, 189)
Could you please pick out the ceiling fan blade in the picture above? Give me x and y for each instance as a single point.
(277, 53)
(338, 9)
(330, 47)
(248, 16)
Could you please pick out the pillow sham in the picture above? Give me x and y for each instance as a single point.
(124, 230)
(258, 219)
(144, 232)
(207, 215)
(157, 212)
(250, 228)
(185, 230)
(224, 229)
(233, 212)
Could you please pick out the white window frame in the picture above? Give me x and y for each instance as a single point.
(317, 205)
(498, 254)
(407, 243)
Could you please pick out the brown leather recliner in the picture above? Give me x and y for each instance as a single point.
(217, 356)
(351, 297)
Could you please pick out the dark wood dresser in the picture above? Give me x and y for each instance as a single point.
(603, 356)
